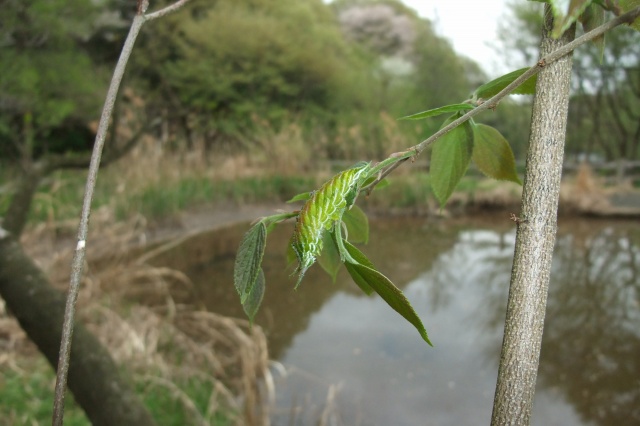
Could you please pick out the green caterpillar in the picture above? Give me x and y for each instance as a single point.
(319, 214)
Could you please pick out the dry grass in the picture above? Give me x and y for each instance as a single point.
(137, 312)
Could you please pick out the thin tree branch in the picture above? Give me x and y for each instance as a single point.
(79, 254)
(169, 9)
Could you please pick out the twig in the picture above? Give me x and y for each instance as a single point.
(79, 254)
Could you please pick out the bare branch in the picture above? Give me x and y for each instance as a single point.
(169, 9)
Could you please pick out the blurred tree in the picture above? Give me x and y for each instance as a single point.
(604, 114)
(231, 62)
(50, 89)
(48, 85)
(415, 67)
(606, 102)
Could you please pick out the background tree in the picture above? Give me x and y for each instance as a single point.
(49, 92)
(603, 114)
(222, 65)
(46, 98)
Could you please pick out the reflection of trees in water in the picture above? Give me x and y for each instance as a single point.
(481, 258)
(398, 248)
(591, 346)
(591, 343)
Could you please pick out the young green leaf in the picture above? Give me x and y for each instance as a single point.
(304, 196)
(566, 13)
(450, 158)
(357, 224)
(626, 6)
(329, 259)
(248, 261)
(593, 17)
(390, 294)
(492, 154)
(492, 88)
(448, 109)
(255, 297)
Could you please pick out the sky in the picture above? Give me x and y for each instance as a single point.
(471, 26)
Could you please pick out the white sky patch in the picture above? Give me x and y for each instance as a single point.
(471, 26)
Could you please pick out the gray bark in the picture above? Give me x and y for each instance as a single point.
(105, 396)
(535, 238)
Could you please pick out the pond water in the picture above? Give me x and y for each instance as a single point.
(352, 359)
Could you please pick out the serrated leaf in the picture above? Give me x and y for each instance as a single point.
(567, 14)
(330, 259)
(450, 158)
(492, 154)
(626, 6)
(390, 294)
(492, 88)
(448, 109)
(248, 260)
(357, 224)
(254, 299)
(304, 196)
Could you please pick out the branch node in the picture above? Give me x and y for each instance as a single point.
(518, 220)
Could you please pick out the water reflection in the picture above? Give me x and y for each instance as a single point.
(591, 351)
(351, 353)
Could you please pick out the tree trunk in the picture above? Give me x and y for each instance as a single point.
(18, 212)
(535, 238)
(106, 398)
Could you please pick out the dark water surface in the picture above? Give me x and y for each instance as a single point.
(353, 359)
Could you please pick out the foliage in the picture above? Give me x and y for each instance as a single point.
(603, 114)
(319, 223)
(319, 230)
(587, 12)
(218, 70)
(233, 60)
(47, 79)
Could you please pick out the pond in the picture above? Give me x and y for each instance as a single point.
(353, 360)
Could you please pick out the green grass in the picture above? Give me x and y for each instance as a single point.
(26, 398)
(157, 202)
(168, 410)
(60, 196)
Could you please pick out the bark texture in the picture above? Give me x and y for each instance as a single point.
(535, 238)
(105, 396)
